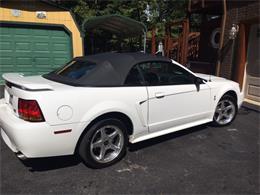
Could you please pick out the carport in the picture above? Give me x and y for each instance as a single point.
(121, 26)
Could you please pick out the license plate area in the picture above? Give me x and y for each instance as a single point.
(10, 99)
(6, 95)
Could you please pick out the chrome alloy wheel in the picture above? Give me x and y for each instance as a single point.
(106, 144)
(225, 112)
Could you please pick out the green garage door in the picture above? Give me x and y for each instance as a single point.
(33, 50)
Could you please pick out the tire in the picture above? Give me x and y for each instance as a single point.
(225, 112)
(104, 143)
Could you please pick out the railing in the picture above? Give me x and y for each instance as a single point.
(193, 47)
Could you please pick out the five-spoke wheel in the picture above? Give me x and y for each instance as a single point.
(225, 112)
(104, 143)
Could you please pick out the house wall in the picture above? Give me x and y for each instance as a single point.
(55, 16)
(238, 11)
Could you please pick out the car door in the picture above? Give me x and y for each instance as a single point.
(173, 97)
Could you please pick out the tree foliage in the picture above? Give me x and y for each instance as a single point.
(153, 13)
(161, 11)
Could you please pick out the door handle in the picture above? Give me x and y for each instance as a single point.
(159, 95)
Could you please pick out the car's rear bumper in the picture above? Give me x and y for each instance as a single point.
(36, 139)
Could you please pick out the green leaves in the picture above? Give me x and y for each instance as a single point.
(160, 12)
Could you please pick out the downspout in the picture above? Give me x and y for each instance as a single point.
(222, 36)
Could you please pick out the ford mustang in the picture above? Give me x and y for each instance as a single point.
(94, 105)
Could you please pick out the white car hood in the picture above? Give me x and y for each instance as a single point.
(210, 77)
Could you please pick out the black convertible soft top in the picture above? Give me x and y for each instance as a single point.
(111, 69)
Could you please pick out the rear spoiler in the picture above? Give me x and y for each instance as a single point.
(19, 81)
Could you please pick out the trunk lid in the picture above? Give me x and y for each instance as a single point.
(18, 86)
(31, 83)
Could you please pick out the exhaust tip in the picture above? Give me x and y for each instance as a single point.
(21, 156)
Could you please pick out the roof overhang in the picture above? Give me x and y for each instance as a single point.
(121, 26)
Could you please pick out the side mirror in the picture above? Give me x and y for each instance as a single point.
(197, 82)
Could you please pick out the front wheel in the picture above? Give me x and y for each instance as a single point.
(225, 112)
(104, 143)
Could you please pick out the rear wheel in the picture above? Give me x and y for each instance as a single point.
(225, 112)
(104, 143)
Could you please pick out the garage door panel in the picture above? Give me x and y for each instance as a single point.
(42, 54)
(59, 47)
(6, 61)
(33, 50)
(23, 46)
(58, 34)
(5, 31)
(59, 61)
(21, 31)
(7, 69)
(4, 54)
(59, 39)
(6, 46)
(40, 32)
(42, 62)
(24, 38)
(41, 46)
(22, 54)
(41, 38)
(24, 60)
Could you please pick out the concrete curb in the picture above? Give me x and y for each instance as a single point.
(251, 106)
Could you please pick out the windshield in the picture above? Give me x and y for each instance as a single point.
(75, 69)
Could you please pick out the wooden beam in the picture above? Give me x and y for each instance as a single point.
(184, 42)
(241, 55)
(221, 42)
(153, 41)
(166, 48)
(189, 6)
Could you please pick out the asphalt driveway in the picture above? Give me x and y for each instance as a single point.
(200, 160)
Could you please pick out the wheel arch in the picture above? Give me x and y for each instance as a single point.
(115, 115)
(231, 93)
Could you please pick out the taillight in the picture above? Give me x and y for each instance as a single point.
(29, 110)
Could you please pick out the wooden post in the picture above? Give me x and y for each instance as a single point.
(221, 42)
(153, 41)
(167, 37)
(184, 42)
(189, 6)
(241, 55)
(179, 49)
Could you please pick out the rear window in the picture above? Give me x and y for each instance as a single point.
(76, 69)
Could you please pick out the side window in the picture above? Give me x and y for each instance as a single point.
(134, 77)
(165, 73)
(179, 76)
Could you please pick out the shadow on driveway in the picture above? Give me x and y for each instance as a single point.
(51, 163)
(163, 138)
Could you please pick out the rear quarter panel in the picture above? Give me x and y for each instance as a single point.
(87, 103)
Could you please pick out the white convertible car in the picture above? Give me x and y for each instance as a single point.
(94, 105)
